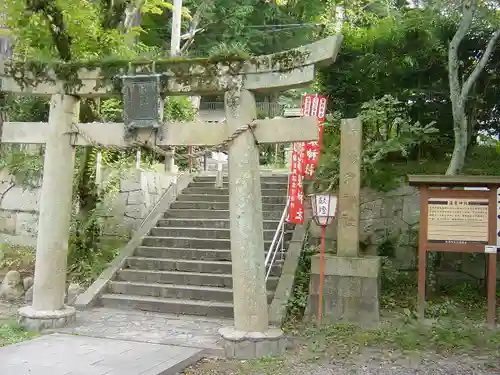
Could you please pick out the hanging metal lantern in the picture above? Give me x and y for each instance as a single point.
(142, 102)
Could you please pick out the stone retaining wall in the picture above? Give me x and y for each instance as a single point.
(383, 216)
(18, 212)
(138, 192)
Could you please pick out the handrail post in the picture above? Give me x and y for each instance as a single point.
(219, 177)
(271, 254)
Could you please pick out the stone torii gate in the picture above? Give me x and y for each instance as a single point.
(144, 87)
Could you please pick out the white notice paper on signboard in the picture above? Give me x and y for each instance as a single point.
(490, 249)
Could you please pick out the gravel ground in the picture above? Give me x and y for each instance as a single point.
(371, 362)
(403, 350)
(402, 366)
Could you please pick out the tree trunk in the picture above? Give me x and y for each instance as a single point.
(460, 93)
(461, 142)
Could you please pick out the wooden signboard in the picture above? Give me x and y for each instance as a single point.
(457, 220)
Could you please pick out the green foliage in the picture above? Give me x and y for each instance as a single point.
(78, 30)
(112, 110)
(25, 165)
(26, 168)
(34, 34)
(300, 294)
(88, 255)
(85, 266)
(242, 26)
(19, 258)
(179, 109)
(27, 108)
(403, 52)
(12, 333)
(388, 135)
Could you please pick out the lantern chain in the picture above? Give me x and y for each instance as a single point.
(76, 131)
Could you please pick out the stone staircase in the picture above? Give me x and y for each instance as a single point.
(183, 265)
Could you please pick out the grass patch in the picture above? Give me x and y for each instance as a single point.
(349, 344)
(264, 366)
(11, 333)
(442, 337)
(82, 268)
(261, 366)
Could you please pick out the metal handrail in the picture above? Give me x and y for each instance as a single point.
(171, 189)
(277, 243)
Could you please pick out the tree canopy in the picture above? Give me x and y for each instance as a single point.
(395, 49)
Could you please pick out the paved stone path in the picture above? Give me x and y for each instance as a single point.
(139, 326)
(116, 342)
(59, 354)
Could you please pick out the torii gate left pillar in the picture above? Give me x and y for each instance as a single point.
(48, 309)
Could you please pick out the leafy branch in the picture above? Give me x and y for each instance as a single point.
(388, 134)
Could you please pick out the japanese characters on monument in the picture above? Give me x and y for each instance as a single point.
(295, 185)
(313, 105)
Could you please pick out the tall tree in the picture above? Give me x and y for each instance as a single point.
(461, 84)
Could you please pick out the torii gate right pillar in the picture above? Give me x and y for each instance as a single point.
(251, 337)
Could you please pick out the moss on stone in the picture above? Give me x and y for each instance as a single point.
(208, 70)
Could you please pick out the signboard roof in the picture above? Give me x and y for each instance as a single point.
(453, 181)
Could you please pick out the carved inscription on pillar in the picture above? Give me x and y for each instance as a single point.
(349, 187)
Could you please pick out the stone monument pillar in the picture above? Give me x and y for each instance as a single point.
(48, 309)
(251, 336)
(351, 281)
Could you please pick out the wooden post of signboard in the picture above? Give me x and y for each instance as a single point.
(458, 220)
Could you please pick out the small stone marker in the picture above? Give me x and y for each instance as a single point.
(349, 187)
(351, 281)
(12, 286)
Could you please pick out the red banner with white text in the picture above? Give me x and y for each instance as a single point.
(313, 105)
(295, 185)
(305, 157)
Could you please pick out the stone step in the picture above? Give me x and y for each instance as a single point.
(182, 253)
(188, 265)
(193, 213)
(225, 198)
(212, 233)
(209, 223)
(184, 278)
(168, 305)
(190, 242)
(186, 292)
(217, 191)
(264, 185)
(283, 178)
